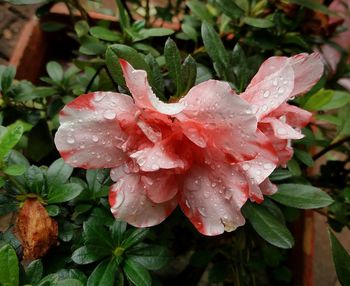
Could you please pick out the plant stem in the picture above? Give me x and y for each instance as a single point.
(331, 147)
(88, 87)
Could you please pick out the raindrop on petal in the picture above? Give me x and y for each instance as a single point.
(94, 138)
(109, 114)
(70, 140)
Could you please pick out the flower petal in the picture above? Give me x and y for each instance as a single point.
(308, 69)
(141, 91)
(215, 115)
(271, 86)
(90, 135)
(213, 201)
(294, 115)
(160, 156)
(129, 202)
(282, 130)
(268, 188)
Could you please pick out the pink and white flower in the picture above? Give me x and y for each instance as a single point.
(204, 153)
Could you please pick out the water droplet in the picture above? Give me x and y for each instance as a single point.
(206, 195)
(275, 82)
(109, 114)
(94, 138)
(187, 204)
(267, 166)
(266, 94)
(70, 140)
(264, 108)
(141, 161)
(213, 184)
(108, 159)
(245, 167)
(281, 90)
(82, 146)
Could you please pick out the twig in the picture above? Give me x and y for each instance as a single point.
(331, 147)
(88, 87)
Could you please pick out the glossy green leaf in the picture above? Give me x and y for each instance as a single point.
(200, 10)
(34, 179)
(173, 61)
(83, 255)
(134, 236)
(230, 8)
(151, 257)
(104, 274)
(136, 273)
(153, 32)
(189, 74)
(9, 139)
(268, 226)
(117, 230)
(55, 71)
(15, 170)
(105, 34)
(9, 270)
(189, 31)
(339, 99)
(215, 48)
(258, 22)
(318, 100)
(313, 5)
(341, 260)
(81, 28)
(7, 77)
(302, 196)
(63, 193)
(96, 234)
(58, 172)
(34, 271)
(304, 157)
(123, 15)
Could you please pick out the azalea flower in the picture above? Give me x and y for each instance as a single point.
(204, 153)
(278, 80)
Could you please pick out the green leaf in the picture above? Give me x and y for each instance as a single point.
(189, 31)
(294, 167)
(83, 255)
(34, 271)
(339, 99)
(215, 49)
(34, 179)
(173, 61)
(319, 99)
(7, 78)
(96, 234)
(91, 46)
(52, 210)
(15, 170)
(258, 23)
(304, 157)
(9, 270)
(238, 61)
(58, 173)
(136, 274)
(17, 158)
(123, 16)
(189, 74)
(150, 257)
(134, 236)
(69, 282)
(301, 196)
(64, 193)
(9, 139)
(153, 32)
(341, 260)
(200, 10)
(55, 71)
(230, 8)
(81, 28)
(268, 226)
(117, 229)
(105, 34)
(104, 274)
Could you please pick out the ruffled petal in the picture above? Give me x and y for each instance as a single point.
(268, 188)
(215, 115)
(213, 202)
(282, 130)
(141, 91)
(294, 115)
(271, 86)
(129, 202)
(90, 135)
(160, 156)
(308, 69)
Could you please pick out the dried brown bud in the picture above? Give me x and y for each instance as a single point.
(36, 230)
